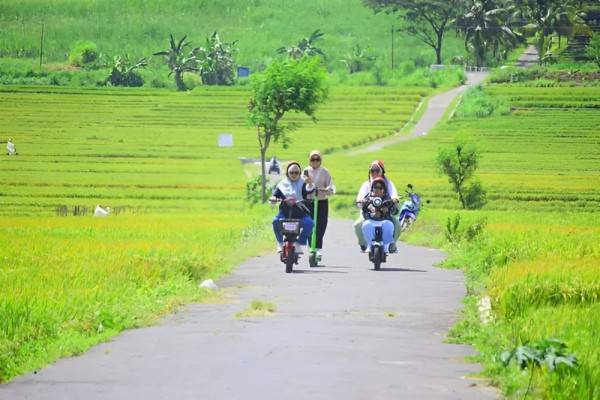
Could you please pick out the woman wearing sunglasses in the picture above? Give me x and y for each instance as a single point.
(382, 213)
(376, 170)
(324, 186)
(291, 190)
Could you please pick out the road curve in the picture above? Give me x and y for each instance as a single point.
(341, 331)
(436, 107)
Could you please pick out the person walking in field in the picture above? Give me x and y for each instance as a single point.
(376, 170)
(325, 188)
(11, 150)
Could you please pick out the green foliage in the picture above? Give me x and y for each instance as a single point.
(305, 47)
(83, 53)
(516, 74)
(357, 60)
(593, 49)
(485, 28)
(253, 186)
(216, 63)
(123, 72)
(549, 352)
(452, 229)
(459, 164)
(297, 85)
(477, 103)
(426, 20)
(180, 60)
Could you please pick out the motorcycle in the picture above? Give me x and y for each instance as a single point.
(290, 230)
(410, 209)
(377, 254)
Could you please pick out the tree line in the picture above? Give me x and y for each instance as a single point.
(490, 28)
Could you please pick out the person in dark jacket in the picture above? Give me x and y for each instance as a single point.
(291, 190)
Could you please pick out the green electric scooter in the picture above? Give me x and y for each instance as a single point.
(313, 257)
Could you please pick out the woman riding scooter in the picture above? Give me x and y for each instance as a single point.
(291, 190)
(324, 186)
(376, 170)
(382, 213)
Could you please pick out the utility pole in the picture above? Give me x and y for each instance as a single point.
(41, 46)
(392, 47)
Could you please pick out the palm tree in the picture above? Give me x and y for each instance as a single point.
(483, 26)
(178, 61)
(305, 47)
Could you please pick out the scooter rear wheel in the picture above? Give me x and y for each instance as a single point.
(312, 259)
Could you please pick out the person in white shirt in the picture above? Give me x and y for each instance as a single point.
(11, 150)
(325, 188)
(376, 170)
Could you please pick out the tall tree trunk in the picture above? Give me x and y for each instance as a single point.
(179, 81)
(438, 49)
(263, 182)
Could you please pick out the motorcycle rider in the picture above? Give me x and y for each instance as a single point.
(290, 190)
(384, 214)
(376, 170)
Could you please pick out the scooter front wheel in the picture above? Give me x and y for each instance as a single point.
(376, 257)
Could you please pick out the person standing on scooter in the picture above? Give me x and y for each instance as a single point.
(383, 214)
(324, 188)
(291, 190)
(376, 170)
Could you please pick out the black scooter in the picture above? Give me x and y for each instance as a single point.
(377, 253)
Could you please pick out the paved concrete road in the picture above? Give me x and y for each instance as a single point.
(331, 338)
(529, 57)
(436, 107)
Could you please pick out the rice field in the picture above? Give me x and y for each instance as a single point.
(69, 282)
(154, 155)
(152, 150)
(538, 255)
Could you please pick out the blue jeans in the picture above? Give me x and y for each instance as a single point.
(387, 227)
(306, 225)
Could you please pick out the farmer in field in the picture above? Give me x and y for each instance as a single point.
(324, 188)
(290, 190)
(11, 150)
(376, 170)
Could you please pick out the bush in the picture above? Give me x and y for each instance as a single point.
(477, 103)
(130, 79)
(475, 196)
(83, 53)
(253, 186)
(516, 74)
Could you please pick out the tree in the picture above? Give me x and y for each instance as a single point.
(288, 85)
(459, 164)
(548, 16)
(178, 61)
(305, 47)
(123, 72)
(484, 26)
(357, 60)
(427, 20)
(593, 49)
(215, 61)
